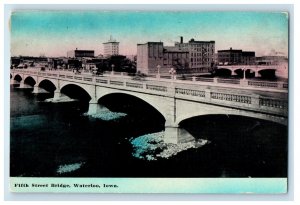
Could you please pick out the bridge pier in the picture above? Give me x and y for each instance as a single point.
(176, 135)
(35, 89)
(232, 73)
(257, 74)
(22, 85)
(94, 107)
(57, 95)
(14, 82)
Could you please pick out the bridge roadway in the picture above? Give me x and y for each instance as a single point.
(175, 99)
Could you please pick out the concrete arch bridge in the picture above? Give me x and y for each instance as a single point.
(256, 69)
(175, 100)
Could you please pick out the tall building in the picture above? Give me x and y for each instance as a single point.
(195, 56)
(111, 47)
(153, 54)
(236, 57)
(201, 53)
(149, 56)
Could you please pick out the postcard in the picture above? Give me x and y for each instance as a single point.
(149, 101)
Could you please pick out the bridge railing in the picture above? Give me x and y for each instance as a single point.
(247, 83)
(218, 81)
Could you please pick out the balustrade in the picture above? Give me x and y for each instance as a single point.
(118, 83)
(231, 97)
(190, 92)
(230, 81)
(77, 78)
(263, 84)
(156, 88)
(166, 76)
(273, 103)
(134, 85)
(98, 80)
(88, 79)
(204, 79)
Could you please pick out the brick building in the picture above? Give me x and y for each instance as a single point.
(236, 57)
(192, 56)
(201, 53)
(80, 53)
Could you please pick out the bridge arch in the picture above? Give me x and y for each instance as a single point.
(234, 129)
(17, 77)
(224, 72)
(267, 72)
(76, 91)
(89, 89)
(29, 80)
(53, 81)
(186, 110)
(48, 84)
(250, 73)
(160, 106)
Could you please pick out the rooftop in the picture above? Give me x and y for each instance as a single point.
(174, 49)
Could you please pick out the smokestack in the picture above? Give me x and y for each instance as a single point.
(181, 39)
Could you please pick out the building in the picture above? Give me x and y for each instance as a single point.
(271, 60)
(149, 56)
(80, 53)
(236, 57)
(111, 47)
(28, 61)
(153, 57)
(176, 58)
(201, 53)
(248, 58)
(194, 56)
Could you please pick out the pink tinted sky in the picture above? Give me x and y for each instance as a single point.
(54, 33)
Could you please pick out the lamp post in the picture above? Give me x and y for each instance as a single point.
(172, 71)
(112, 68)
(158, 71)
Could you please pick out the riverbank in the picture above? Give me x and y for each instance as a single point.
(152, 146)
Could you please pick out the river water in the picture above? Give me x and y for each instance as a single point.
(58, 140)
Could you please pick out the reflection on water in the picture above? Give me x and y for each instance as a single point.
(57, 139)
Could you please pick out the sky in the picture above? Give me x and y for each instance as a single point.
(53, 33)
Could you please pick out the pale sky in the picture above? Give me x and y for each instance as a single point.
(53, 33)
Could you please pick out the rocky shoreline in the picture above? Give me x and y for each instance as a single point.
(152, 147)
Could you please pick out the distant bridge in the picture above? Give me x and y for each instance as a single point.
(251, 68)
(176, 100)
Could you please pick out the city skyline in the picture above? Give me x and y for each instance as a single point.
(53, 33)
